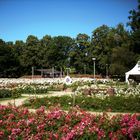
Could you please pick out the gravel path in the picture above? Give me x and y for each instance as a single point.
(16, 102)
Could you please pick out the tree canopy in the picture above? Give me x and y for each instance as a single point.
(114, 48)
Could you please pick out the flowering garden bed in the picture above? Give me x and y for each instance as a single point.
(91, 103)
(18, 123)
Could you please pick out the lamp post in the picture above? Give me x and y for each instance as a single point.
(53, 72)
(94, 65)
(32, 73)
(107, 71)
(85, 63)
(67, 71)
(61, 72)
(68, 66)
(84, 69)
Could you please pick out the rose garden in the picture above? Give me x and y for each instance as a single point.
(87, 109)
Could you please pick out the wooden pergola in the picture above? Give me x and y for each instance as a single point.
(50, 73)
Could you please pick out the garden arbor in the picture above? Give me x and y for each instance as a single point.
(135, 72)
(51, 73)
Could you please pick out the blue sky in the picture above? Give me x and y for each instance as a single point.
(20, 18)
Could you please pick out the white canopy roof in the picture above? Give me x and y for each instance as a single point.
(134, 71)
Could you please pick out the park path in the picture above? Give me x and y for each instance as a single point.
(19, 101)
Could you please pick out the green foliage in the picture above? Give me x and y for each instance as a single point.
(56, 87)
(121, 58)
(31, 89)
(111, 103)
(8, 62)
(15, 93)
(135, 26)
(79, 54)
(115, 49)
(6, 93)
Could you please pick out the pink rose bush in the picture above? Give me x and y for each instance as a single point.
(20, 124)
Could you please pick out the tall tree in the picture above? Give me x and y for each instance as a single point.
(122, 60)
(58, 51)
(79, 53)
(32, 40)
(8, 62)
(122, 57)
(101, 47)
(135, 26)
(46, 42)
(31, 53)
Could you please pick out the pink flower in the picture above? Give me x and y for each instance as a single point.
(1, 121)
(11, 116)
(41, 110)
(1, 134)
(101, 134)
(70, 135)
(110, 135)
(55, 114)
(40, 127)
(125, 118)
(56, 136)
(68, 118)
(30, 121)
(124, 131)
(25, 111)
(16, 131)
(2, 107)
(64, 129)
(23, 123)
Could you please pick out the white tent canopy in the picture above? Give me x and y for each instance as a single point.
(134, 71)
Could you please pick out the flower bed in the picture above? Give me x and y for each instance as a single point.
(31, 89)
(17, 123)
(104, 90)
(112, 103)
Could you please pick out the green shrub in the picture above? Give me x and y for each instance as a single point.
(15, 93)
(6, 93)
(31, 89)
(56, 88)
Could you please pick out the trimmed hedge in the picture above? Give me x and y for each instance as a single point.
(6, 93)
(31, 90)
